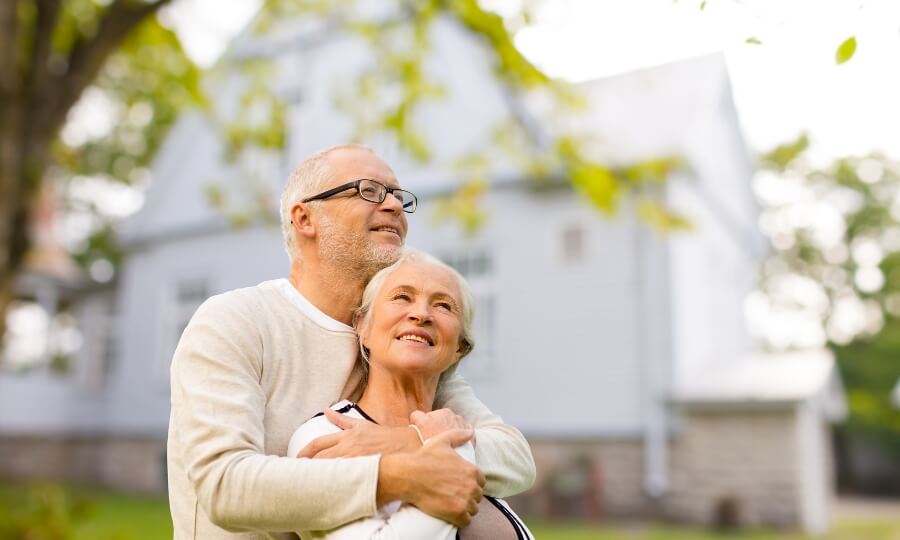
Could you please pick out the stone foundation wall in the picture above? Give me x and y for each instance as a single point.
(735, 468)
(134, 464)
(586, 479)
(727, 468)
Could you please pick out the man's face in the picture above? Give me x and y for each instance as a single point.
(352, 232)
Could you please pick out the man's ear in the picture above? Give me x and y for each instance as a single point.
(301, 221)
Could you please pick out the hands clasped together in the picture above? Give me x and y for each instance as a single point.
(432, 476)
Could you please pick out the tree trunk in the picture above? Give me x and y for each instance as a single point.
(11, 120)
(20, 171)
(34, 103)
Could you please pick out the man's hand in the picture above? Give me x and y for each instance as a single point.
(360, 438)
(434, 478)
(436, 422)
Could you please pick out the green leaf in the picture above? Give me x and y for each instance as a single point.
(464, 206)
(846, 50)
(662, 219)
(781, 156)
(702, 5)
(753, 40)
(598, 185)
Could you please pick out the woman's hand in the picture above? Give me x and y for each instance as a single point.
(437, 422)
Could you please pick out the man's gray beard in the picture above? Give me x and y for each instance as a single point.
(352, 253)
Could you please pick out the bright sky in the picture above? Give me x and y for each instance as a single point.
(787, 84)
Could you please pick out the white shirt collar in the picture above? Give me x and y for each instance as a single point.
(293, 295)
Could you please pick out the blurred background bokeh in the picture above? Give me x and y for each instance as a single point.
(680, 220)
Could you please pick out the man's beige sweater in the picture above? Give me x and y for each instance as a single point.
(252, 365)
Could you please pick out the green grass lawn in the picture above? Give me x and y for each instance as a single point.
(867, 530)
(82, 514)
(46, 511)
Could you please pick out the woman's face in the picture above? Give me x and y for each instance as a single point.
(415, 322)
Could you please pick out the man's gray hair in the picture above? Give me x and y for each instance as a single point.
(309, 178)
(467, 303)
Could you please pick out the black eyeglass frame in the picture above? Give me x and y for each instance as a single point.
(355, 184)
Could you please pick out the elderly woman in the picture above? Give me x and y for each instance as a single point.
(413, 325)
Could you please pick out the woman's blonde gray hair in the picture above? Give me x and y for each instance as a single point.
(467, 307)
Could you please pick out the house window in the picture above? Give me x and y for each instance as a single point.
(97, 321)
(110, 353)
(477, 267)
(572, 244)
(187, 295)
(190, 293)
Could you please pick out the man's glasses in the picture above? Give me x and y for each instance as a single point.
(372, 191)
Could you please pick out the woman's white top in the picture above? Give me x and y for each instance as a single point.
(394, 520)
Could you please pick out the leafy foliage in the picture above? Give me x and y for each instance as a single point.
(386, 96)
(870, 369)
(838, 239)
(147, 82)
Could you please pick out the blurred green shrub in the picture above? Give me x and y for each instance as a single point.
(41, 512)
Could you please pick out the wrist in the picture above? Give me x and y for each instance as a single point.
(392, 479)
(418, 432)
(410, 440)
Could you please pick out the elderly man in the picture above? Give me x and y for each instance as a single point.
(255, 363)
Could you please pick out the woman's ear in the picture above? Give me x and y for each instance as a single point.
(463, 348)
(361, 327)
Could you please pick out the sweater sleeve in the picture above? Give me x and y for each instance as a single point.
(218, 407)
(502, 453)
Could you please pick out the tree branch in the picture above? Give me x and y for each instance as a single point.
(89, 54)
(39, 74)
(9, 46)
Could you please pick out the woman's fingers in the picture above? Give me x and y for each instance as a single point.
(452, 437)
(439, 421)
(340, 420)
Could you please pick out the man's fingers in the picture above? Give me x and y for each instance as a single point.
(340, 420)
(453, 437)
(461, 521)
(317, 445)
(472, 508)
(480, 479)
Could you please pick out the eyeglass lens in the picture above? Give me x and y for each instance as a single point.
(373, 191)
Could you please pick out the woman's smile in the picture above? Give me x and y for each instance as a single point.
(417, 336)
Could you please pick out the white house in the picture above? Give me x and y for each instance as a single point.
(595, 335)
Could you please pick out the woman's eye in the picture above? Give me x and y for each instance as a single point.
(401, 296)
(445, 305)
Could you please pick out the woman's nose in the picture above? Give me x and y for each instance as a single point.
(419, 313)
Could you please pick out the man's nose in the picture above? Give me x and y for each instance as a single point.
(391, 203)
